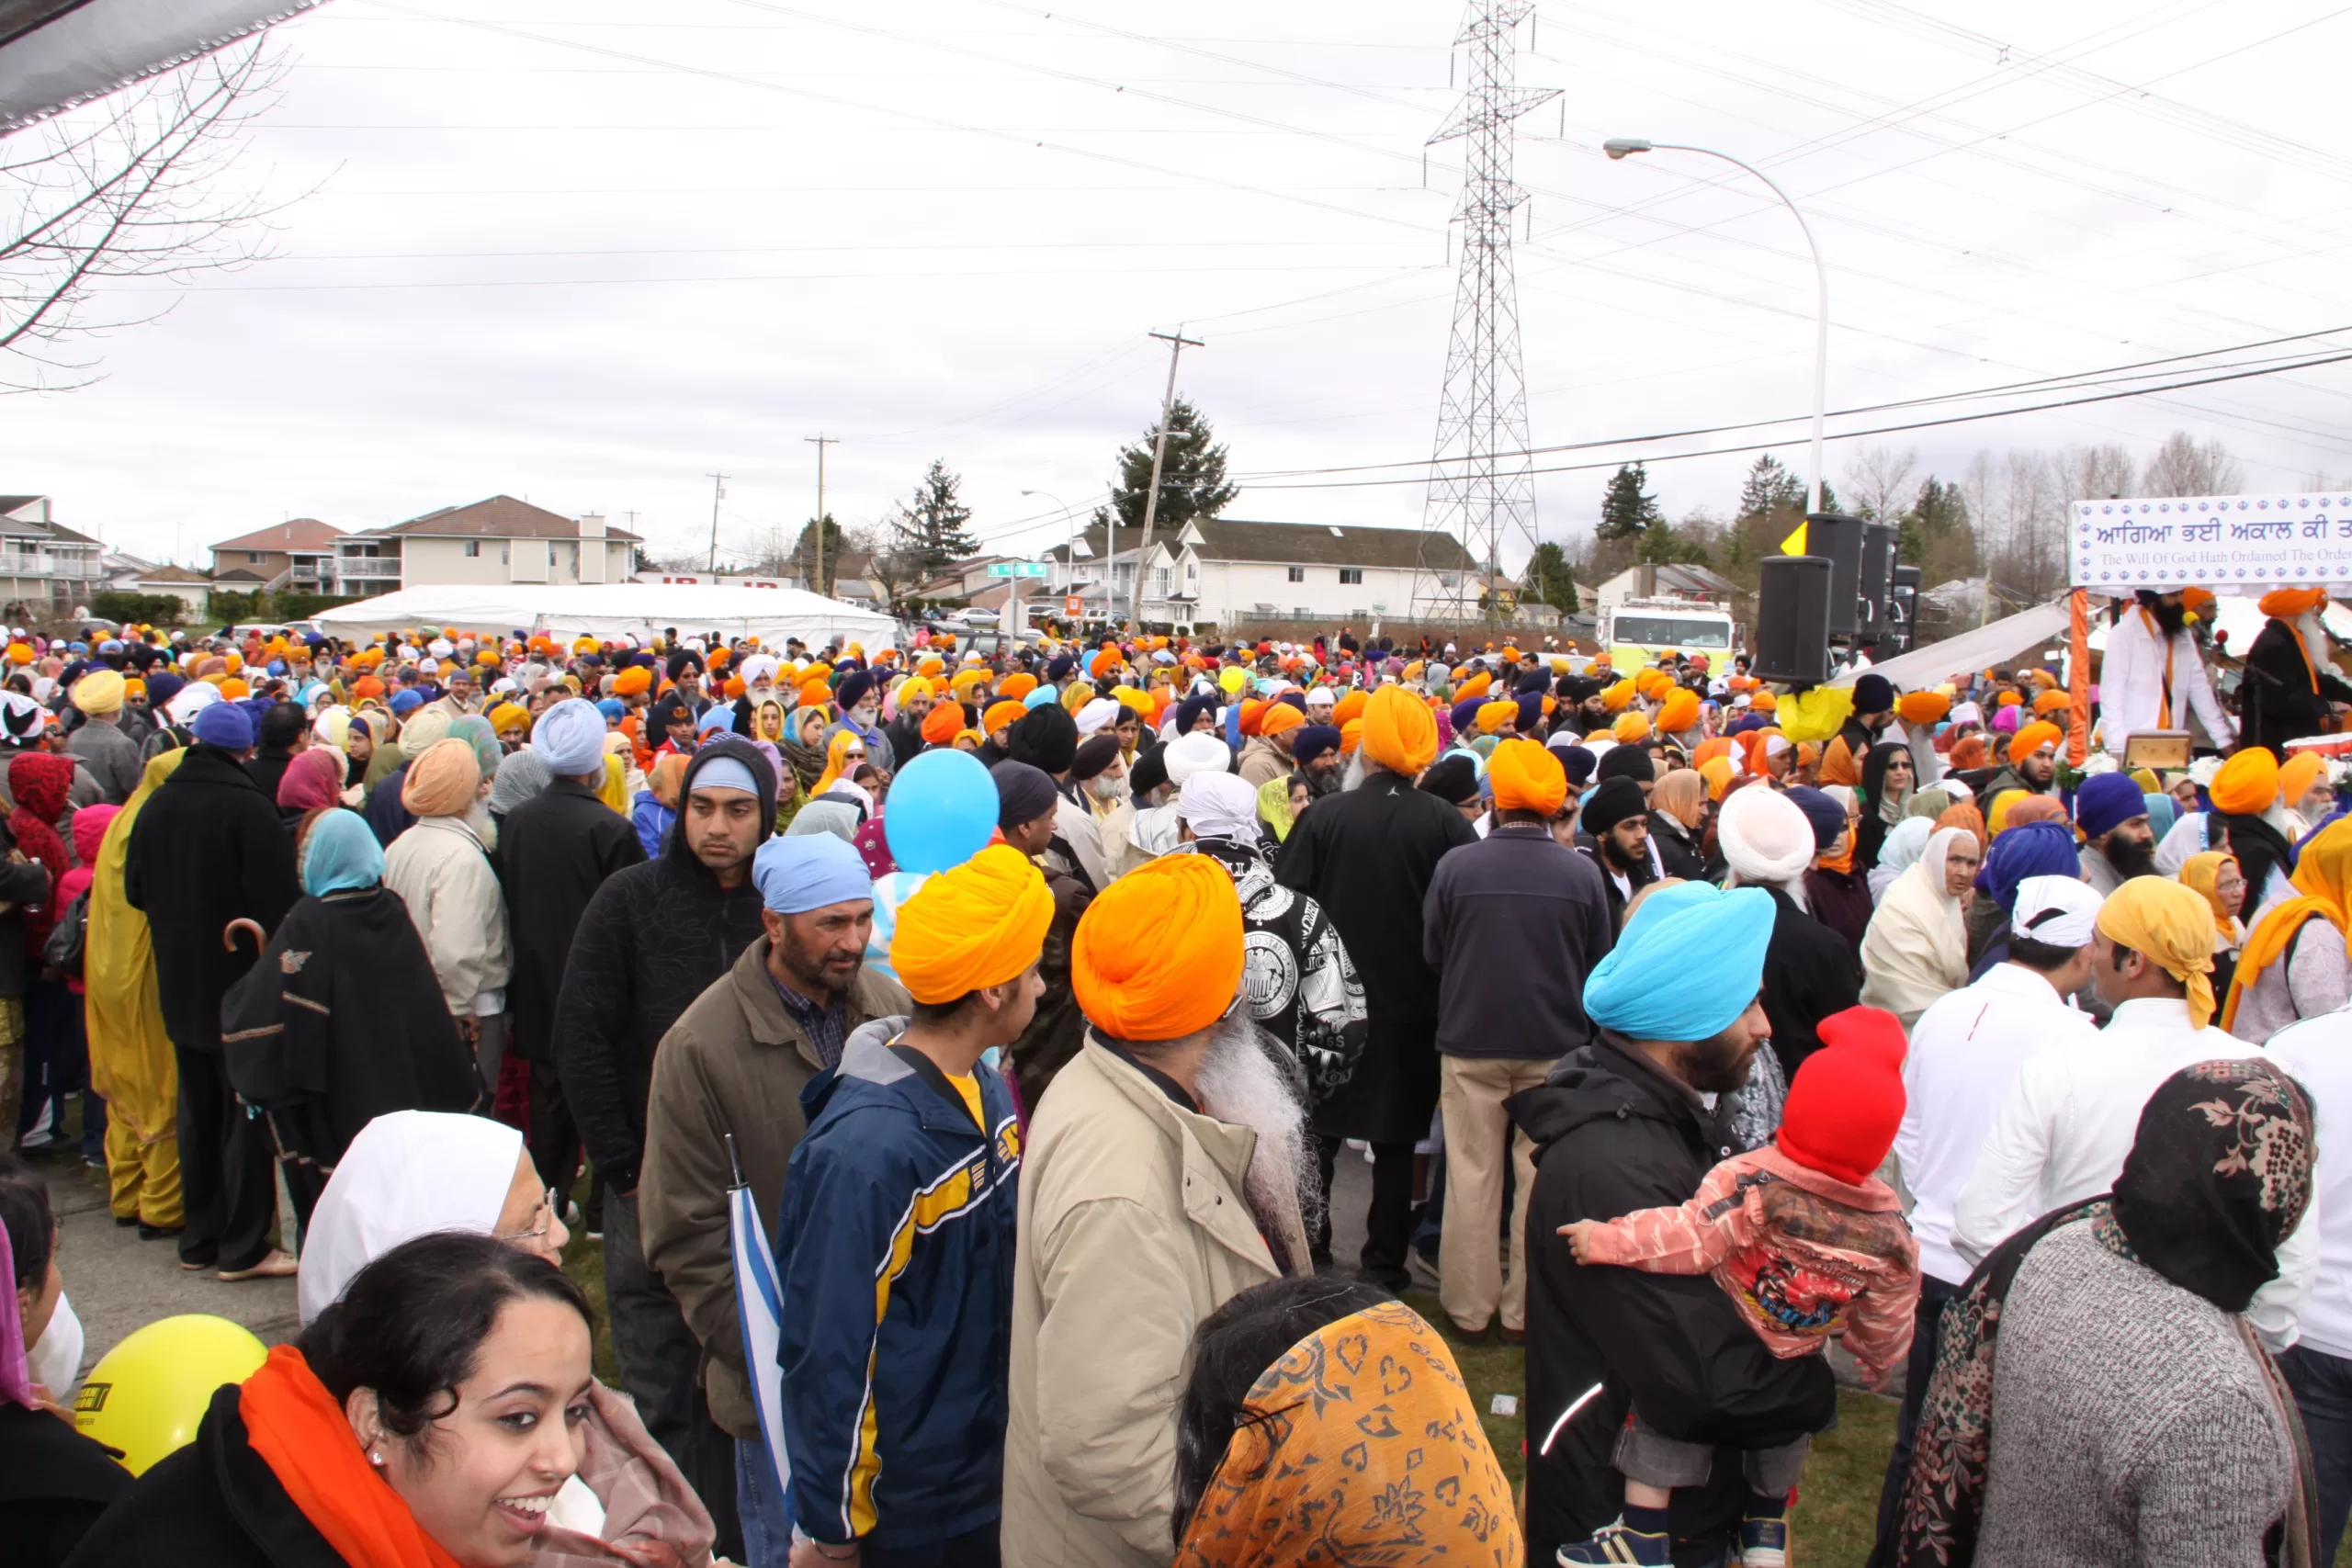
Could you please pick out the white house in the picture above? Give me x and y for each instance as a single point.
(1229, 572)
(496, 541)
(46, 569)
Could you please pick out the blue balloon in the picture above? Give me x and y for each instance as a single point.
(942, 810)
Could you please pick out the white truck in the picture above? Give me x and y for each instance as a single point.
(1638, 630)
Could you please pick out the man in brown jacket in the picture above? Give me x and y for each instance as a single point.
(735, 1064)
(1158, 1163)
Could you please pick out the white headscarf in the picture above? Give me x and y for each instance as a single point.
(1899, 853)
(406, 1175)
(1916, 947)
(1219, 806)
(1765, 837)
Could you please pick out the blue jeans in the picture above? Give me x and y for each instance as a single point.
(765, 1513)
(2322, 1387)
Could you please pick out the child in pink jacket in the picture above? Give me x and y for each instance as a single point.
(1808, 1243)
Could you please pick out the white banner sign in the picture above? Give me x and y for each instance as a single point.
(2231, 544)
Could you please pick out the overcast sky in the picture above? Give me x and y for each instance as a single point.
(590, 252)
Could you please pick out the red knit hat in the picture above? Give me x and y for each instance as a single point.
(1847, 1101)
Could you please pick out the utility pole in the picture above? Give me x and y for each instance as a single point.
(1177, 343)
(817, 580)
(717, 494)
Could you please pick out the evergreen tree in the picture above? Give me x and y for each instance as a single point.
(804, 559)
(1551, 580)
(1770, 488)
(1192, 476)
(1626, 510)
(930, 528)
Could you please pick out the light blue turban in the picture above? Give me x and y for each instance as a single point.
(1643, 988)
(1039, 696)
(570, 739)
(797, 874)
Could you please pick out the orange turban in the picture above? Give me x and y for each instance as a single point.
(1630, 729)
(1922, 707)
(633, 680)
(735, 687)
(1017, 686)
(2008, 700)
(1350, 706)
(981, 923)
(2297, 774)
(442, 780)
(999, 714)
(2287, 602)
(2196, 599)
(366, 687)
(1492, 716)
(1718, 770)
(1351, 736)
(1710, 749)
(1473, 687)
(1678, 711)
(814, 695)
(940, 725)
(1398, 732)
(1527, 777)
(1652, 682)
(1616, 698)
(2246, 785)
(2048, 702)
(1181, 979)
(1761, 701)
(1278, 717)
(930, 667)
(1252, 712)
(235, 688)
(2033, 738)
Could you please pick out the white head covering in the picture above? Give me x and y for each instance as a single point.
(1899, 852)
(1197, 752)
(1765, 836)
(2185, 838)
(2062, 911)
(406, 1175)
(569, 738)
(1219, 806)
(1916, 947)
(193, 699)
(1097, 715)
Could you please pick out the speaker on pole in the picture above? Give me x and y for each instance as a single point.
(1903, 627)
(1837, 538)
(1793, 619)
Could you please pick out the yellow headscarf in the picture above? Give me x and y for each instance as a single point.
(836, 762)
(2174, 927)
(2323, 882)
(2202, 873)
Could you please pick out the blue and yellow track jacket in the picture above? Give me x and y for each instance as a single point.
(895, 1253)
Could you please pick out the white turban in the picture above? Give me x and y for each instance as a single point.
(758, 668)
(1099, 714)
(1197, 752)
(407, 1174)
(1765, 836)
(1219, 806)
(570, 739)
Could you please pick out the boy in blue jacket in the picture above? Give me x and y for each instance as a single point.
(895, 1244)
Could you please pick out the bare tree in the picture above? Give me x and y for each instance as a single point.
(134, 188)
(1878, 481)
(2094, 472)
(2182, 466)
(890, 566)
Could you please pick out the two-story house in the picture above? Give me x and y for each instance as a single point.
(1229, 572)
(499, 540)
(294, 557)
(46, 569)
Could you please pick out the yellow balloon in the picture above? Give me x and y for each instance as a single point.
(145, 1397)
(1233, 677)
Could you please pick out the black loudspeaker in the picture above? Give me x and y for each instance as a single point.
(1793, 619)
(1876, 585)
(1838, 540)
(1903, 627)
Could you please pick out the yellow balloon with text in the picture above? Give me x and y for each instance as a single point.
(145, 1397)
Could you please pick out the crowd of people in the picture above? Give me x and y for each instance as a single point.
(1689, 1028)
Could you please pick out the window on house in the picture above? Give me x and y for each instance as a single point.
(1298, 574)
(1351, 574)
(253, 557)
(473, 547)
(1159, 581)
(506, 549)
(1192, 571)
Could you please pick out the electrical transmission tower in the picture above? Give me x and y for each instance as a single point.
(1476, 494)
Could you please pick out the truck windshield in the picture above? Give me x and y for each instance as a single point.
(1673, 631)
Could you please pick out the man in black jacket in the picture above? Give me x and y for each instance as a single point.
(554, 850)
(2291, 684)
(1620, 1125)
(1513, 924)
(655, 937)
(279, 733)
(208, 849)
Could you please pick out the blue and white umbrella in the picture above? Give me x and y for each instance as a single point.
(758, 1302)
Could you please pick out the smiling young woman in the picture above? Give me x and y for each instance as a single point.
(425, 1420)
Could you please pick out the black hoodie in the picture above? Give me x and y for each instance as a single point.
(1613, 1132)
(654, 938)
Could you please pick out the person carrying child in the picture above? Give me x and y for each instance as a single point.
(1808, 1245)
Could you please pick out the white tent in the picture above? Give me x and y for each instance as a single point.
(1979, 649)
(629, 609)
(57, 53)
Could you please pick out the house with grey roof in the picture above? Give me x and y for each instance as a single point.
(497, 541)
(1229, 571)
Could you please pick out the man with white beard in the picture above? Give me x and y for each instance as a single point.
(2291, 683)
(1165, 1173)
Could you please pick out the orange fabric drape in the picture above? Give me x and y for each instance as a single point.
(296, 1426)
(2079, 664)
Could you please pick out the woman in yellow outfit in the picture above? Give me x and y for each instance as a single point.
(132, 1065)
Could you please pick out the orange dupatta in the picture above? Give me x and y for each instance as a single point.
(295, 1425)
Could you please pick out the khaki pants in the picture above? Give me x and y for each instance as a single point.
(1478, 1128)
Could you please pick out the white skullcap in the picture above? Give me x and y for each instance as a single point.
(1323, 696)
(1765, 836)
(2061, 912)
(1197, 752)
(1776, 744)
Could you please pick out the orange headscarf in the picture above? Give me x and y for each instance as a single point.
(1681, 795)
(302, 1434)
(1838, 765)
(1181, 981)
(2323, 882)
(669, 772)
(442, 781)
(1338, 1433)
(1968, 817)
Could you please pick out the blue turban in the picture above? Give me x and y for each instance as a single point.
(718, 715)
(2031, 848)
(2106, 801)
(1039, 696)
(1578, 763)
(163, 688)
(407, 700)
(1530, 711)
(2163, 811)
(612, 708)
(224, 724)
(797, 874)
(1189, 711)
(1822, 810)
(570, 739)
(1465, 715)
(1642, 988)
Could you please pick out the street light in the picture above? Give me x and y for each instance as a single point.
(1617, 147)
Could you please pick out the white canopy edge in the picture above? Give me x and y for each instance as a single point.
(1992, 644)
(85, 51)
(615, 610)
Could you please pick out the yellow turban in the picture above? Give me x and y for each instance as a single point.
(2032, 738)
(967, 679)
(1763, 702)
(1398, 732)
(1180, 977)
(1630, 729)
(1473, 687)
(1678, 711)
(443, 780)
(1617, 697)
(99, 692)
(999, 714)
(1492, 716)
(636, 678)
(1718, 771)
(2246, 785)
(1350, 706)
(981, 923)
(1351, 736)
(2173, 926)
(2000, 819)
(1922, 707)
(505, 713)
(915, 687)
(2296, 776)
(1527, 777)
(2286, 603)
(1652, 682)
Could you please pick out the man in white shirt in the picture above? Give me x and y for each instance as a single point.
(2318, 1054)
(2072, 1115)
(2153, 677)
(1966, 1050)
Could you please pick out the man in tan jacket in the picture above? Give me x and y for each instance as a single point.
(735, 1064)
(1158, 1163)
